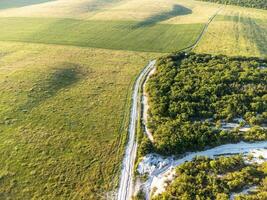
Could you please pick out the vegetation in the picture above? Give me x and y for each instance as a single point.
(261, 192)
(205, 178)
(261, 4)
(63, 119)
(100, 34)
(64, 109)
(191, 96)
(242, 32)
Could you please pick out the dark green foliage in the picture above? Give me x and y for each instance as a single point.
(146, 146)
(261, 192)
(140, 196)
(190, 94)
(261, 4)
(206, 178)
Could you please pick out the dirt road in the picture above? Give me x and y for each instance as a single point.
(126, 181)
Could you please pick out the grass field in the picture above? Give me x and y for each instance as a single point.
(113, 24)
(237, 31)
(63, 119)
(100, 34)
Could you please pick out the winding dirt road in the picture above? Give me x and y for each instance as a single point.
(126, 180)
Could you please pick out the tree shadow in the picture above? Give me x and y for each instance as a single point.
(64, 76)
(177, 10)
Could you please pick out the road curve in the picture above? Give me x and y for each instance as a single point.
(126, 179)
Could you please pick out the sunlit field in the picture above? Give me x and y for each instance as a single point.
(237, 31)
(63, 119)
(64, 105)
(67, 68)
(177, 11)
(101, 34)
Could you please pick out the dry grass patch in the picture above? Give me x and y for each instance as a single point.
(236, 31)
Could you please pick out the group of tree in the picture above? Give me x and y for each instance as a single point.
(190, 94)
(261, 4)
(216, 179)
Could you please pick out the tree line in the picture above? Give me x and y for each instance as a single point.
(190, 95)
(261, 4)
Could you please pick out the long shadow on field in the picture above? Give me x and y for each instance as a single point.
(64, 76)
(177, 10)
(5, 4)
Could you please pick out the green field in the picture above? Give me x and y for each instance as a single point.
(236, 31)
(63, 119)
(100, 34)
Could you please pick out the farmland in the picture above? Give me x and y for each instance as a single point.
(101, 34)
(165, 27)
(242, 32)
(119, 10)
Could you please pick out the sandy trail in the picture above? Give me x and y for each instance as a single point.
(126, 181)
(145, 106)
